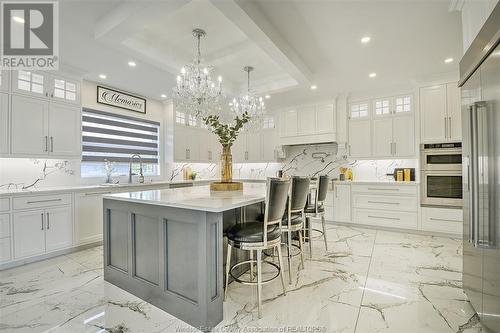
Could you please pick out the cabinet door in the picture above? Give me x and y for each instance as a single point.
(404, 136)
(180, 145)
(29, 233)
(88, 218)
(269, 143)
(433, 113)
(306, 120)
(29, 130)
(382, 137)
(205, 153)
(289, 123)
(59, 228)
(254, 147)
(4, 81)
(4, 123)
(193, 144)
(65, 130)
(325, 119)
(216, 148)
(454, 112)
(342, 203)
(34, 84)
(5, 254)
(360, 138)
(63, 89)
(239, 148)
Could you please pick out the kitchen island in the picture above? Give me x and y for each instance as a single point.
(166, 246)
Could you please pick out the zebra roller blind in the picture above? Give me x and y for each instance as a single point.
(111, 137)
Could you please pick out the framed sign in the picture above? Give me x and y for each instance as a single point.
(120, 99)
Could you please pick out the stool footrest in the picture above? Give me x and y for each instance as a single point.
(254, 283)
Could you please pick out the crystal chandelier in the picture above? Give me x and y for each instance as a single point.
(249, 103)
(196, 94)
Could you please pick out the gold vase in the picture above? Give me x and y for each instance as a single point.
(226, 164)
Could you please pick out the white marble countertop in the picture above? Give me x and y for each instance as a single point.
(197, 198)
(376, 182)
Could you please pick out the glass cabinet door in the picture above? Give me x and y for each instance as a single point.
(63, 89)
(29, 83)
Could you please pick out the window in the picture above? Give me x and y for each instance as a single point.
(29, 81)
(110, 137)
(180, 117)
(192, 120)
(65, 90)
(268, 122)
(359, 110)
(403, 104)
(382, 107)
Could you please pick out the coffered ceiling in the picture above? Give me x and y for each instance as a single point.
(292, 44)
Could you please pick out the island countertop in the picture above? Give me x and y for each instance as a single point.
(197, 198)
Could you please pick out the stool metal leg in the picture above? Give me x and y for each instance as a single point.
(259, 282)
(289, 243)
(252, 275)
(309, 237)
(280, 260)
(228, 268)
(324, 231)
(301, 243)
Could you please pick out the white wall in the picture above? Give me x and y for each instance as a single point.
(23, 171)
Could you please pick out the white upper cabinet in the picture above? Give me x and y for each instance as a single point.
(31, 83)
(454, 112)
(254, 147)
(65, 140)
(325, 119)
(239, 148)
(359, 111)
(306, 120)
(29, 126)
(4, 80)
(440, 113)
(269, 143)
(382, 107)
(63, 89)
(403, 136)
(360, 138)
(4, 123)
(382, 143)
(289, 123)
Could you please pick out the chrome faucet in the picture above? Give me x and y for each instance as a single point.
(130, 173)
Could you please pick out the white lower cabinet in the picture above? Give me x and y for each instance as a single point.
(446, 220)
(328, 203)
(59, 228)
(342, 203)
(29, 233)
(4, 123)
(5, 253)
(88, 217)
(386, 218)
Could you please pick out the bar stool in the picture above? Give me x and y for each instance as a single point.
(316, 209)
(293, 221)
(260, 236)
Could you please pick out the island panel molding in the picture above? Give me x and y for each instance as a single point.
(120, 99)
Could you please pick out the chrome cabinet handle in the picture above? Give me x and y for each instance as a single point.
(449, 127)
(38, 201)
(386, 203)
(97, 193)
(395, 149)
(46, 94)
(382, 189)
(46, 143)
(445, 127)
(48, 222)
(42, 221)
(384, 217)
(51, 144)
(436, 219)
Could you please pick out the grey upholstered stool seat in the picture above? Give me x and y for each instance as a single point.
(252, 232)
(312, 209)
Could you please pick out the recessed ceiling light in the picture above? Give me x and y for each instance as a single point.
(18, 19)
(163, 96)
(372, 75)
(365, 39)
(448, 60)
(102, 76)
(314, 87)
(132, 64)
(267, 96)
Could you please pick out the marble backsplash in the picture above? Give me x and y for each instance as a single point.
(307, 160)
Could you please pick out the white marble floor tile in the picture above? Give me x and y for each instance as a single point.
(368, 281)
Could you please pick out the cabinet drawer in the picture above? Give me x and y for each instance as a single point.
(5, 254)
(4, 225)
(385, 189)
(4, 204)
(392, 219)
(397, 203)
(41, 201)
(442, 220)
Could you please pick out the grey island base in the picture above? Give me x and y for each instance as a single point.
(166, 247)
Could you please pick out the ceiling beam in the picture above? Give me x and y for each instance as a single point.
(251, 21)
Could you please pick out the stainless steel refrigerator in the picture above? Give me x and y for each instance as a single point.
(480, 91)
